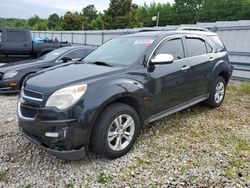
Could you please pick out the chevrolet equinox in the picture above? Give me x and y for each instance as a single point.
(104, 100)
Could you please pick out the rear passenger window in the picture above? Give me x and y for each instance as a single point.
(196, 47)
(16, 37)
(0, 36)
(173, 47)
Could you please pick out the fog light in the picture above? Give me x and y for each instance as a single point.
(52, 135)
(58, 134)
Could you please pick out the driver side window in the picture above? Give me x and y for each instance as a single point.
(173, 47)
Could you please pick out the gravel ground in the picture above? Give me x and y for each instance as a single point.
(198, 147)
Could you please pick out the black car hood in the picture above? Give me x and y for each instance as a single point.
(18, 66)
(58, 77)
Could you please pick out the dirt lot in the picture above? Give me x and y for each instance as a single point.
(198, 147)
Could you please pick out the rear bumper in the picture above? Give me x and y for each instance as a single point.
(77, 154)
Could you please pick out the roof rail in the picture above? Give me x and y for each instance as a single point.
(191, 29)
(148, 30)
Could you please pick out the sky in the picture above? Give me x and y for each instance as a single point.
(43, 8)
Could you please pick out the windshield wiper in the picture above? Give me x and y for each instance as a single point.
(102, 63)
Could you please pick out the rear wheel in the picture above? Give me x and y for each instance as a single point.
(217, 93)
(116, 130)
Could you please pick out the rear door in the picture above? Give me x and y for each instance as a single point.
(201, 55)
(17, 42)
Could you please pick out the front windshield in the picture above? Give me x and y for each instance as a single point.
(120, 51)
(54, 54)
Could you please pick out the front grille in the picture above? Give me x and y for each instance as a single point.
(28, 111)
(30, 102)
(32, 94)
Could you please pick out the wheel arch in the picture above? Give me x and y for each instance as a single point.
(24, 77)
(125, 99)
(224, 75)
(222, 69)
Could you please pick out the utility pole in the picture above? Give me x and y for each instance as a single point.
(158, 17)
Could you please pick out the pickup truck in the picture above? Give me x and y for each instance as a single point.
(17, 44)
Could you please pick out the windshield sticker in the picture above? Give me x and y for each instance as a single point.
(146, 42)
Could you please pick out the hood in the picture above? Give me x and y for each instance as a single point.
(21, 65)
(69, 74)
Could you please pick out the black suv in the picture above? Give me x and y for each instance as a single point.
(103, 101)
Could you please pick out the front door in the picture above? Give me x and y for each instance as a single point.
(17, 42)
(170, 83)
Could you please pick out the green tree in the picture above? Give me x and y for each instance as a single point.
(224, 10)
(167, 14)
(32, 21)
(121, 14)
(187, 11)
(73, 21)
(245, 13)
(97, 23)
(90, 12)
(55, 22)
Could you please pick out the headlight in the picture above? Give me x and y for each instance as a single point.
(9, 74)
(66, 97)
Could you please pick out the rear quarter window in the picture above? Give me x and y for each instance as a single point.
(218, 43)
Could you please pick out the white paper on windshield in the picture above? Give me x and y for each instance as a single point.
(146, 42)
(56, 53)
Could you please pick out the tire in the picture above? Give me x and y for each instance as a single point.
(217, 93)
(108, 124)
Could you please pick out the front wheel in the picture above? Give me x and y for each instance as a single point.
(116, 130)
(217, 93)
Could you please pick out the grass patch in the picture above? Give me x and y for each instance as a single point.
(183, 169)
(103, 178)
(245, 88)
(28, 186)
(242, 145)
(230, 173)
(3, 177)
(70, 185)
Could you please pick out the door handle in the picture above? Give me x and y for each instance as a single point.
(185, 68)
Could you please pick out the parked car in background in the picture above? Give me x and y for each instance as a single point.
(12, 75)
(124, 84)
(17, 44)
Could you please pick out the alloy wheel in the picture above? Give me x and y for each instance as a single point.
(121, 132)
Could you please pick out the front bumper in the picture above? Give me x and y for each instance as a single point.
(66, 155)
(59, 134)
(5, 88)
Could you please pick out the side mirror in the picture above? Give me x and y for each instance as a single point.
(162, 59)
(65, 59)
